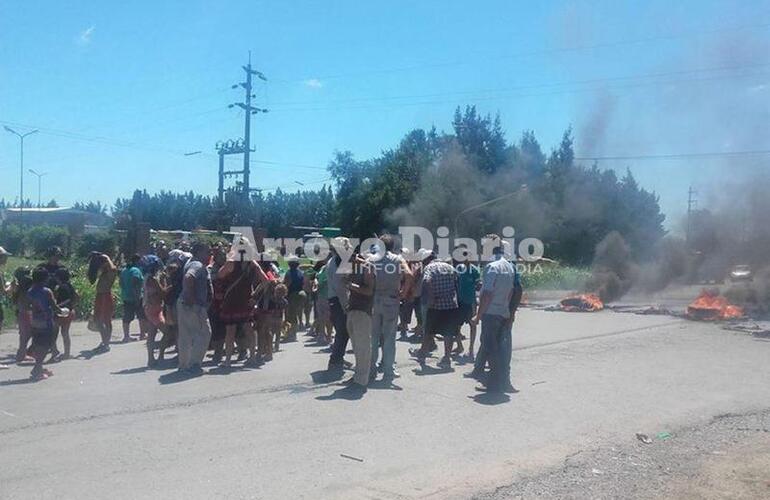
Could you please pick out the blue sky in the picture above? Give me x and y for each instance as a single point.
(120, 90)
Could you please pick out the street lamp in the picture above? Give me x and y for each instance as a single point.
(21, 168)
(484, 204)
(39, 177)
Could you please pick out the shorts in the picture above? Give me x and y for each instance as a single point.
(444, 322)
(65, 321)
(133, 310)
(466, 312)
(42, 340)
(104, 307)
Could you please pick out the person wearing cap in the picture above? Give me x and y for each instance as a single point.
(338, 302)
(295, 282)
(361, 287)
(392, 281)
(500, 297)
(192, 311)
(5, 288)
(240, 274)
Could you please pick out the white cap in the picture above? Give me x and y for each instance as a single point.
(341, 242)
(422, 254)
(3, 251)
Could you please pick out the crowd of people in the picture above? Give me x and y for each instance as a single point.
(235, 302)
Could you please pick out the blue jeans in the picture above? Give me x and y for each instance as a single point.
(339, 320)
(495, 348)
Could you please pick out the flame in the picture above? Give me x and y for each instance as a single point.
(710, 306)
(587, 302)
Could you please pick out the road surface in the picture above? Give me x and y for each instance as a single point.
(106, 427)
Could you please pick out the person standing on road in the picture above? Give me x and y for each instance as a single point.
(5, 288)
(218, 328)
(131, 285)
(338, 302)
(392, 280)
(192, 311)
(439, 282)
(154, 291)
(322, 316)
(66, 298)
(42, 306)
(295, 282)
(103, 272)
(469, 278)
(359, 320)
(500, 297)
(239, 275)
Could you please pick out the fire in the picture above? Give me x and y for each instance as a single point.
(587, 302)
(710, 306)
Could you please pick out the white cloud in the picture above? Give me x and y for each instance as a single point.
(314, 83)
(85, 36)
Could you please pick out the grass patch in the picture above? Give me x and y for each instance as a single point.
(554, 277)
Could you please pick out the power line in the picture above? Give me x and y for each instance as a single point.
(534, 86)
(536, 52)
(523, 95)
(146, 147)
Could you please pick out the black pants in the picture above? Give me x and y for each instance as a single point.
(339, 320)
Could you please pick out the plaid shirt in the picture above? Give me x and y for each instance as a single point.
(439, 281)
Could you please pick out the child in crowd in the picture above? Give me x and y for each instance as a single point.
(21, 283)
(42, 307)
(66, 298)
(276, 309)
(154, 291)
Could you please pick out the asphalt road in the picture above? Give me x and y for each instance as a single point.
(107, 427)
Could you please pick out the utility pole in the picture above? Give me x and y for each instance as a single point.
(225, 148)
(21, 169)
(691, 203)
(39, 185)
(248, 111)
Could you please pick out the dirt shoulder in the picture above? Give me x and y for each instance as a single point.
(727, 458)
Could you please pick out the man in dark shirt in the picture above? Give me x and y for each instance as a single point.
(359, 320)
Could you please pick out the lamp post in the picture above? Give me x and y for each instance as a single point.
(484, 204)
(39, 183)
(21, 167)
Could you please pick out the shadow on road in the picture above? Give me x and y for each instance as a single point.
(490, 398)
(166, 364)
(326, 376)
(429, 370)
(385, 384)
(349, 393)
(20, 381)
(176, 376)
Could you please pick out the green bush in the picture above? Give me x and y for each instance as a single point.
(100, 241)
(12, 238)
(40, 238)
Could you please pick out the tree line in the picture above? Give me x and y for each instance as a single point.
(431, 179)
